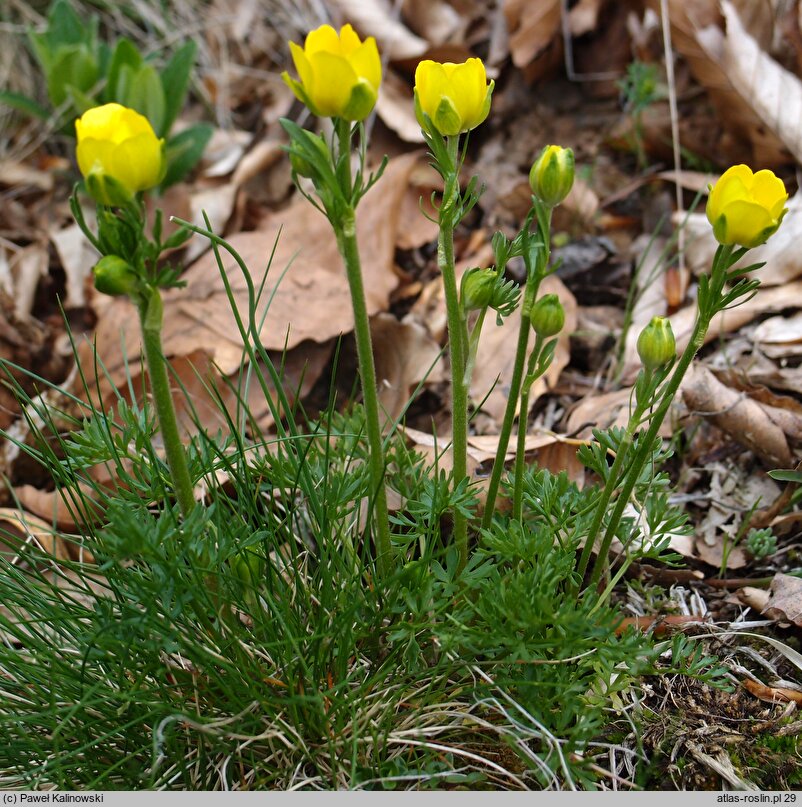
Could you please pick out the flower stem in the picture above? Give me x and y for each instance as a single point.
(457, 342)
(707, 308)
(344, 224)
(520, 451)
(612, 482)
(150, 318)
(349, 249)
(535, 271)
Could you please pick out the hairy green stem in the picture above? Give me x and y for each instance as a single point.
(344, 225)
(707, 309)
(457, 339)
(534, 274)
(603, 501)
(520, 451)
(347, 243)
(150, 318)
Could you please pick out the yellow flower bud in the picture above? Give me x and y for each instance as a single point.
(456, 97)
(547, 316)
(118, 153)
(746, 208)
(552, 175)
(656, 344)
(114, 276)
(339, 74)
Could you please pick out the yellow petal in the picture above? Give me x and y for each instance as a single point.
(747, 223)
(734, 184)
(302, 65)
(463, 92)
(769, 191)
(333, 83)
(431, 83)
(366, 62)
(92, 153)
(323, 39)
(349, 40)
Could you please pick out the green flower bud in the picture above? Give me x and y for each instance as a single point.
(656, 344)
(302, 164)
(552, 175)
(248, 566)
(477, 288)
(114, 276)
(547, 316)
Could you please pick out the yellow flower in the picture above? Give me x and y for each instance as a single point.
(456, 97)
(339, 74)
(746, 208)
(118, 153)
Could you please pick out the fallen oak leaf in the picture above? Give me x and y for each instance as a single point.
(785, 599)
(745, 420)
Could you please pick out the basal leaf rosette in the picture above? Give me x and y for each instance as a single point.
(339, 74)
(118, 153)
(746, 208)
(454, 97)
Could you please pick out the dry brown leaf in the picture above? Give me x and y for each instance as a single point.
(19, 529)
(435, 20)
(785, 599)
(755, 598)
(27, 267)
(261, 157)
(696, 181)
(405, 354)
(584, 16)
(377, 18)
(697, 35)
(223, 152)
(312, 299)
(582, 200)
(532, 28)
(414, 229)
(21, 175)
(745, 420)
(58, 506)
(437, 450)
(485, 446)
(773, 92)
(600, 411)
(396, 108)
(780, 337)
(77, 256)
(772, 694)
(496, 355)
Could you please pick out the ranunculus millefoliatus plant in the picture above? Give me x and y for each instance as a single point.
(746, 208)
(120, 156)
(454, 97)
(118, 153)
(339, 74)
